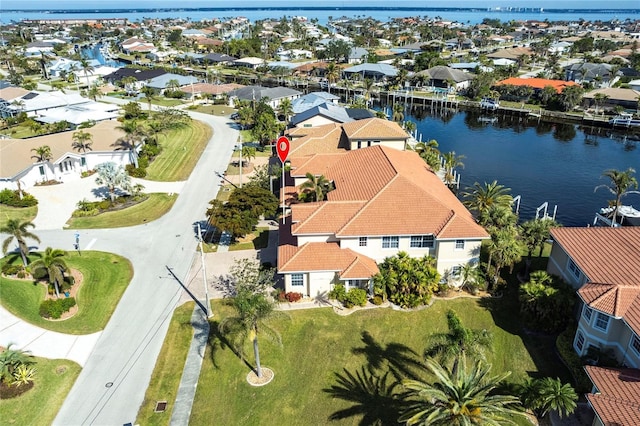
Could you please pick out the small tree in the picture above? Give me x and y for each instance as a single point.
(253, 308)
(548, 394)
(316, 187)
(19, 231)
(113, 177)
(53, 266)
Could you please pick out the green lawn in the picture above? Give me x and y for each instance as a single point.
(21, 213)
(149, 210)
(163, 386)
(257, 240)
(40, 405)
(105, 277)
(165, 102)
(19, 132)
(181, 150)
(318, 343)
(221, 110)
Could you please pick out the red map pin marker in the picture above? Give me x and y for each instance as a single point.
(283, 148)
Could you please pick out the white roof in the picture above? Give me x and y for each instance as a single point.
(250, 60)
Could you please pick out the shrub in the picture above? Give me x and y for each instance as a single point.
(9, 269)
(377, 300)
(12, 198)
(356, 297)
(564, 344)
(137, 172)
(54, 308)
(143, 162)
(293, 296)
(338, 293)
(281, 296)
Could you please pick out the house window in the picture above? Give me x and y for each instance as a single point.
(586, 313)
(83, 161)
(459, 244)
(574, 269)
(635, 344)
(602, 321)
(362, 241)
(579, 341)
(297, 280)
(41, 168)
(308, 125)
(390, 242)
(421, 241)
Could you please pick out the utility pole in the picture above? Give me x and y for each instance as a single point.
(240, 139)
(204, 276)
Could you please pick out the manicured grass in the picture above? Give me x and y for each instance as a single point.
(149, 210)
(257, 240)
(40, 405)
(19, 132)
(21, 213)
(105, 277)
(317, 343)
(181, 150)
(220, 110)
(170, 362)
(165, 102)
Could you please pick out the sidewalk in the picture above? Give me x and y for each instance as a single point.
(45, 343)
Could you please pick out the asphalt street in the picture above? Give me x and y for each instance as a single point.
(112, 384)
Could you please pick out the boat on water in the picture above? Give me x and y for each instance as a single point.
(625, 119)
(627, 216)
(489, 104)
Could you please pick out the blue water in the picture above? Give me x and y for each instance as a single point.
(16, 11)
(556, 163)
(95, 53)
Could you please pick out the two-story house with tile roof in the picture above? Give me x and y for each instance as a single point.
(615, 397)
(385, 201)
(603, 264)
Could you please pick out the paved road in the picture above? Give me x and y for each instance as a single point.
(111, 386)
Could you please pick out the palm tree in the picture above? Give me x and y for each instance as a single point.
(252, 310)
(44, 58)
(480, 198)
(430, 153)
(451, 161)
(504, 247)
(82, 141)
(113, 176)
(458, 342)
(86, 68)
(134, 135)
(19, 231)
(149, 95)
(497, 217)
(248, 153)
(620, 184)
(42, 155)
(534, 233)
(316, 185)
(53, 266)
(286, 109)
(332, 73)
(398, 112)
(172, 84)
(548, 394)
(461, 397)
(94, 93)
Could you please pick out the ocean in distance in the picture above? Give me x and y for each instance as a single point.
(464, 12)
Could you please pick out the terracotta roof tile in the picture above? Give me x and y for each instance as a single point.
(329, 141)
(362, 267)
(316, 223)
(374, 128)
(320, 257)
(618, 399)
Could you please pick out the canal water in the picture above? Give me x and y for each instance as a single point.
(542, 162)
(94, 52)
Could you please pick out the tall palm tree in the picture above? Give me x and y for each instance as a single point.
(82, 141)
(451, 162)
(548, 394)
(332, 73)
(19, 231)
(504, 249)
(86, 68)
(621, 183)
(456, 398)
(430, 153)
(316, 185)
(42, 155)
(149, 95)
(53, 266)
(252, 312)
(458, 342)
(480, 198)
(113, 176)
(134, 136)
(398, 112)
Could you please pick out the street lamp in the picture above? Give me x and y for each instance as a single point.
(208, 311)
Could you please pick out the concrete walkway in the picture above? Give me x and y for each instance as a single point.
(191, 372)
(45, 343)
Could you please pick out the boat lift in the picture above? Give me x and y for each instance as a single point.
(544, 207)
(516, 201)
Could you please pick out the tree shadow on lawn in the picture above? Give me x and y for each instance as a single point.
(375, 389)
(505, 312)
(218, 342)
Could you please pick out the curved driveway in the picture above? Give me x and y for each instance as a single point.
(112, 384)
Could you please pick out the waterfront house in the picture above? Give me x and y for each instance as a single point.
(615, 397)
(601, 263)
(445, 77)
(313, 99)
(537, 84)
(159, 83)
(385, 201)
(274, 95)
(590, 73)
(376, 72)
(18, 165)
(613, 96)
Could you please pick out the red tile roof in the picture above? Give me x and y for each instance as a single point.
(312, 257)
(537, 83)
(610, 258)
(372, 185)
(618, 399)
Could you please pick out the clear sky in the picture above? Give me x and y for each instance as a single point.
(110, 4)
